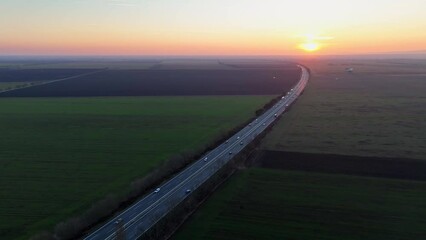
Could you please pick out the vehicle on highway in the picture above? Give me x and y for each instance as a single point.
(118, 221)
(157, 190)
(159, 205)
(249, 124)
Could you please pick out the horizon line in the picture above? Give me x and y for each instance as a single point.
(420, 53)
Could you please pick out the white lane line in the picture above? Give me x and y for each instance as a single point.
(151, 193)
(288, 100)
(230, 147)
(258, 126)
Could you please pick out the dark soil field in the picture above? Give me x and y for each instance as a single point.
(402, 168)
(252, 81)
(346, 162)
(60, 155)
(274, 204)
(379, 110)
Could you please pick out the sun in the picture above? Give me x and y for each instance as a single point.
(310, 46)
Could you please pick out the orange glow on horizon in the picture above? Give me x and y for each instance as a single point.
(231, 46)
(219, 27)
(105, 43)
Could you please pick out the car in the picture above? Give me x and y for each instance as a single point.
(282, 97)
(241, 143)
(205, 159)
(188, 191)
(230, 153)
(227, 141)
(286, 105)
(118, 221)
(238, 137)
(256, 120)
(275, 115)
(264, 124)
(157, 190)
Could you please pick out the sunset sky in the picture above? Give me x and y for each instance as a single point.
(210, 27)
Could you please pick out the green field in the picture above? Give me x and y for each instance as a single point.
(272, 204)
(8, 85)
(11, 85)
(59, 155)
(379, 110)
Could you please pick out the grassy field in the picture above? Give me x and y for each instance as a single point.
(9, 85)
(4, 86)
(59, 155)
(271, 204)
(379, 110)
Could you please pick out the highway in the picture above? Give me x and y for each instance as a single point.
(142, 215)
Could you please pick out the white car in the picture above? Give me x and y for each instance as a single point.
(227, 141)
(238, 137)
(157, 190)
(118, 221)
(264, 124)
(188, 191)
(241, 143)
(205, 159)
(230, 153)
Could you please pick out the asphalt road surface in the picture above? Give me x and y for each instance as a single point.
(142, 215)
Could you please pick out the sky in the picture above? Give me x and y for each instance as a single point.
(211, 27)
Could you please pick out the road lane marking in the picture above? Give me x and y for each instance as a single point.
(289, 99)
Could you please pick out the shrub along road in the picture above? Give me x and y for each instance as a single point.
(141, 216)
